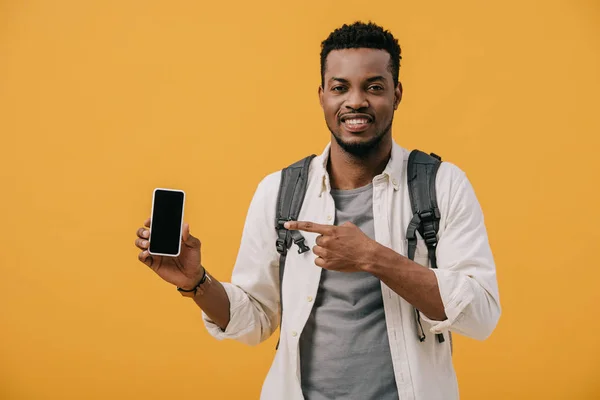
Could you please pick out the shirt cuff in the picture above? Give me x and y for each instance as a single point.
(237, 300)
(456, 294)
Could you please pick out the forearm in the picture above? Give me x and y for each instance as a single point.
(413, 282)
(213, 300)
(247, 318)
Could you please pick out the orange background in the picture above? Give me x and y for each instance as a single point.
(101, 101)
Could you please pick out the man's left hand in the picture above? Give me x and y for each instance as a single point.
(342, 248)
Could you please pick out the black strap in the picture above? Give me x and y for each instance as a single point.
(292, 189)
(421, 172)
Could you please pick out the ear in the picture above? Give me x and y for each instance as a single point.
(397, 95)
(321, 96)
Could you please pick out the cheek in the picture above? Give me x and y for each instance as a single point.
(385, 110)
(330, 111)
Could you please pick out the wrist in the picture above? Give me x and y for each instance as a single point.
(374, 253)
(195, 283)
(382, 258)
(199, 289)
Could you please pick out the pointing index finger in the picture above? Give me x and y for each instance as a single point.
(307, 227)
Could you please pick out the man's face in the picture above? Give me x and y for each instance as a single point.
(359, 98)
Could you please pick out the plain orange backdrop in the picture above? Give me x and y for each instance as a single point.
(102, 101)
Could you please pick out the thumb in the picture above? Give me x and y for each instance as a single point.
(185, 235)
(187, 238)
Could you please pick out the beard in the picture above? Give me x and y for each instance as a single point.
(362, 150)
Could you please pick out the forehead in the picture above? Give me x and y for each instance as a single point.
(357, 63)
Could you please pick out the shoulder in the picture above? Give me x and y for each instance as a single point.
(268, 187)
(450, 177)
(452, 187)
(456, 195)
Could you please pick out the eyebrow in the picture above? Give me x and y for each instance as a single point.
(371, 79)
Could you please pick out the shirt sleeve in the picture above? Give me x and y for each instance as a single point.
(466, 272)
(254, 289)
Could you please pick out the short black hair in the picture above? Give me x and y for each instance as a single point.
(362, 35)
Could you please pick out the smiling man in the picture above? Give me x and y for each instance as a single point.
(348, 330)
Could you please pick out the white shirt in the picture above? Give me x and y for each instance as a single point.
(466, 277)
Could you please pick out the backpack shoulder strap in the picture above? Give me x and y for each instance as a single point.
(421, 173)
(292, 189)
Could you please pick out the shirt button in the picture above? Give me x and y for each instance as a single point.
(294, 333)
(394, 181)
(329, 218)
(309, 299)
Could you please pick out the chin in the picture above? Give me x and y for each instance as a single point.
(358, 145)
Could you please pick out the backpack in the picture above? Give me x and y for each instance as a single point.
(421, 172)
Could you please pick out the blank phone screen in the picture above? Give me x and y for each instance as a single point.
(167, 216)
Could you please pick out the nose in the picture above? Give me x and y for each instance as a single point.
(356, 100)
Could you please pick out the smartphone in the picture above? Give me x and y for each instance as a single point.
(166, 224)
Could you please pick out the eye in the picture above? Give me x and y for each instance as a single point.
(376, 87)
(338, 89)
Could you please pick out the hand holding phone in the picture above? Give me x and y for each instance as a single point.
(166, 243)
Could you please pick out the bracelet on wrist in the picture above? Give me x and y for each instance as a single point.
(192, 292)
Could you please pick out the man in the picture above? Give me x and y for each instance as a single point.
(348, 331)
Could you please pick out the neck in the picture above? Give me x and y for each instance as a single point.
(349, 172)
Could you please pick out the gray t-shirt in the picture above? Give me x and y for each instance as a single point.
(344, 348)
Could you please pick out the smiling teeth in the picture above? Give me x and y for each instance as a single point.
(356, 121)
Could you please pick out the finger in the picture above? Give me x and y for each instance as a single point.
(146, 258)
(143, 233)
(142, 243)
(319, 251)
(308, 227)
(320, 240)
(147, 223)
(320, 262)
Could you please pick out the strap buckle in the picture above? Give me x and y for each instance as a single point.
(429, 215)
(430, 238)
(302, 247)
(280, 223)
(428, 219)
(280, 245)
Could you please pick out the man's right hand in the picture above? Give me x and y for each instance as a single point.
(185, 270)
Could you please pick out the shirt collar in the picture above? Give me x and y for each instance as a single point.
(392, 172)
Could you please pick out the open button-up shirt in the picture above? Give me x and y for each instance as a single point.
(466, 276)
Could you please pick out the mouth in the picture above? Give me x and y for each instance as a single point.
(356, 122)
